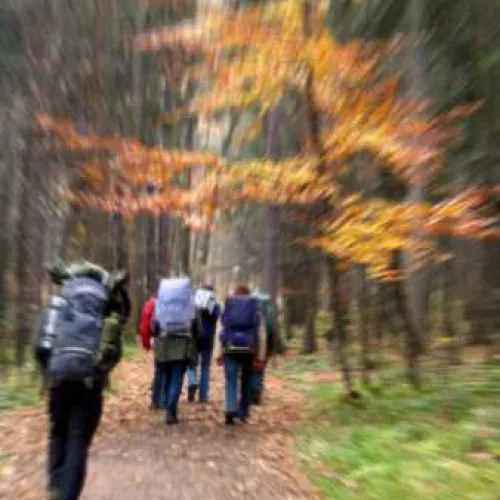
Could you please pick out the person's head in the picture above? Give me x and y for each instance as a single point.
(242, 290)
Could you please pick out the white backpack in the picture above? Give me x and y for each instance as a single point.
(205, 300)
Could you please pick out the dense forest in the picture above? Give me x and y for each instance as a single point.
(337, 158)
(387, 108)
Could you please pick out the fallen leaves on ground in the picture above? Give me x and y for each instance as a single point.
(257, 455)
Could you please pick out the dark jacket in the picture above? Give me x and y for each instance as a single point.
(208, 327)
(168, 349)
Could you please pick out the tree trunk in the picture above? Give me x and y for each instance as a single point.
(417, 276)
(363, 324)
(22, 256)
(270, 275)
(5, 201)
(378, 323)
(287, 323)
(338, 306)
(131, 237)
(309, 344)
(412, 346)
(448, 308)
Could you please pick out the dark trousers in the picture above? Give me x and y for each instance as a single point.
(173, 373)
(74, 411)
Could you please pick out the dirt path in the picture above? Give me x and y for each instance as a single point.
(136, 456)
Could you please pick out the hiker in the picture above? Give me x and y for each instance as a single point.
(79, 342)
(241, 348)
(208, 312)
(146, 340)
(175, 331)
(270, 323)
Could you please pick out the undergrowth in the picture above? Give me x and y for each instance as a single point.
(442, 443)
(22, 386)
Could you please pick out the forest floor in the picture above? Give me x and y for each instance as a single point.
(136, 456)
(441, 443)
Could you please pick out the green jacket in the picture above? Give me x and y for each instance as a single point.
(270, 320)
(178, 349)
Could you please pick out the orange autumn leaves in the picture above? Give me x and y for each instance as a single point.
(132, 177)
(253, 58)
(257, 56)
(368, 231)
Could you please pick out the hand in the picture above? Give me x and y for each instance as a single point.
(258, 364)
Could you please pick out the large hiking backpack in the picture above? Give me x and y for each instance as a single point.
(174, 308)
(78, 339)
(48, 328)
(241, 321)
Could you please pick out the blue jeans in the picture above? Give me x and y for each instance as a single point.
(238, 367)
(158, 396)
(205, 361)
(74, 414)
(174, 372)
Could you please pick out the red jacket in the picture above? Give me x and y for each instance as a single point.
(146, 320)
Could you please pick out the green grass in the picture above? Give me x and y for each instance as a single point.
(130, 349)
(299, 372)
(20, 387)
(439, 444)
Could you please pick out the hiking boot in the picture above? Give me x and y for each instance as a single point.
(243, 417)
(172, 419)
(256, 399)
(192, 393)
(154, 407)
(230, 418)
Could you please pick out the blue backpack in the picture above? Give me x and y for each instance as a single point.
(78, 333)
(241, 321)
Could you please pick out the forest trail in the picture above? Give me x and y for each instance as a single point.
(136, 456)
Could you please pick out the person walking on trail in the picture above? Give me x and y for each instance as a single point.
(79, 342)
(270, 323)
(208, 311)
(175, 331)
(241, 348)
(146, 341)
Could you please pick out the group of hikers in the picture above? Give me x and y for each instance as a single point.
(184, 339)
(79, 342)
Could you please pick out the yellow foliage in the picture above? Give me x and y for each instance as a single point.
(271, 53)
(254, 57)
(367, 232)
